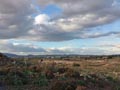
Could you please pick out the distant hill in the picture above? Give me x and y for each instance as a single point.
(2, 56)
(4, 59)
(11, 55)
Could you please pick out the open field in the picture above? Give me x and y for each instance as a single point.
(60, 75)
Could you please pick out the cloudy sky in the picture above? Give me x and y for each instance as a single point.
(60, 26)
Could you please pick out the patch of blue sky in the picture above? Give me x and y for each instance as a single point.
(76, 43)
(52, 10)
(71, 43)
(115, 27)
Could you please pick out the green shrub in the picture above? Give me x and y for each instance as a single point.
(41, 80)
(81, 82)
(62, 78)
(16, 78)
(110, 79)
(117, 88)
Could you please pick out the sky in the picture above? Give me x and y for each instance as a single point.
(85, 27)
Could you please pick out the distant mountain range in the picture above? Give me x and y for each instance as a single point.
(20, 56)
(36, 56)
(4, 59)
(10, 55)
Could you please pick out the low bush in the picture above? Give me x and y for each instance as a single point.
(76, 64)
(72, 73)
(41, 80)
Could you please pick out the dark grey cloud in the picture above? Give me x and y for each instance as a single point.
(56, 35)
(20, 48)
(97, 35)
(15, 18)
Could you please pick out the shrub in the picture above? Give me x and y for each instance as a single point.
(110, 79)
(62, 70)
(76, 64)
(14, 79)
(41, 80)
(63, 85)
(49, 74)
(62, 78)
(35, 68)
(70, 87)
(81, 82)
(58, 85)
(72, 73)
(117, 88)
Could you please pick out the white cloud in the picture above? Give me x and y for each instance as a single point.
(41, 19)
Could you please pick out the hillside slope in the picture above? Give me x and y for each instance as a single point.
(4, 59)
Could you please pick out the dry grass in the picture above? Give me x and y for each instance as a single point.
(83, 71)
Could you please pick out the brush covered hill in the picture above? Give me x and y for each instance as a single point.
(4, 59)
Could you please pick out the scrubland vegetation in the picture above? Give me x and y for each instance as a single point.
(61, 74)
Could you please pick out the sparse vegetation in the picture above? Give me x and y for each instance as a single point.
(61, 75)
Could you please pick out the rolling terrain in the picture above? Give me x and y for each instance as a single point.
(68, 73)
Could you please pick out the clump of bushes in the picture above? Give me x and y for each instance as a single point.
(71, 73)
(76, 64)
(41, 80)
(16, 78)
(110, 78)
(35, 69)
(81, 82)
(62, 70)
(49, 74)
(63, 85)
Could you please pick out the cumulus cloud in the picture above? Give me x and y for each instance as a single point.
(18, 48)
(17, 22)
(41, 19)
(79, 16)
(79, 7)
(15, 18)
